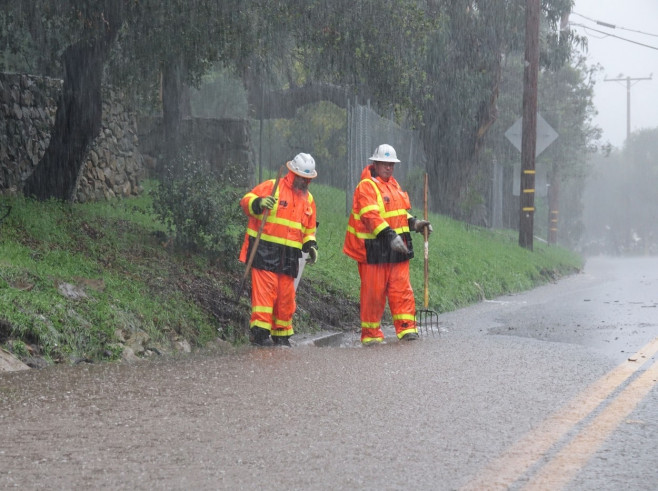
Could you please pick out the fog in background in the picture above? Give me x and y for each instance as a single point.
(621, 196)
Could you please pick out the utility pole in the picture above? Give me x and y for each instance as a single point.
(554, 182)
(628, 81)
(529, 129)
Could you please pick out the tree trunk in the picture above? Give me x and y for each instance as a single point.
(79, 110)
(77, 123)
(553, 205)
(172, 108)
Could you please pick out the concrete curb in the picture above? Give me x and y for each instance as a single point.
(320, 340)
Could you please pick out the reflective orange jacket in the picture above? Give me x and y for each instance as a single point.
(380, 209)
(289, 228)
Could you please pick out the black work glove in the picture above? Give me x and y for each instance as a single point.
(419, 225)
(398, 245)
(312, 255)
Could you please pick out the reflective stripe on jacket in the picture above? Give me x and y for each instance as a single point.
(289, 226)
(377, 205)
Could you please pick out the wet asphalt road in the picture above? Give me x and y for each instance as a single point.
(531, 391)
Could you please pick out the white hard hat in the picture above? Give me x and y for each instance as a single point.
(303, 165)
(384, 153)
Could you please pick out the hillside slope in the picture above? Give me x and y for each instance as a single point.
(102, 281)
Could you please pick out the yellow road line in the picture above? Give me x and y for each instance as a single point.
(566, 464)
(513, 463)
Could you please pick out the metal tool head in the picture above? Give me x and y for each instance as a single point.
(427, 321)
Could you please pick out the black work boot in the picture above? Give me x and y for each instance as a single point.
(260, 337)
(281, 341)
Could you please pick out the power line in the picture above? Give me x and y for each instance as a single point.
(612, 35)
(613, 26)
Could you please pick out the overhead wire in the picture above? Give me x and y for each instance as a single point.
(613, 35)
(613, 26)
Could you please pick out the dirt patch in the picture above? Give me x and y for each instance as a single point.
(216, 293)
(216, 298)
(327, 309)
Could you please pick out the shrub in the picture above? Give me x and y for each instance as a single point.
(200, 207)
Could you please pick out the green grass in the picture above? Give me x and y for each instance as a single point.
(466, 263)
(110, 251)
(134, 282)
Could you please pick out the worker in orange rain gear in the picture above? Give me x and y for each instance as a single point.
(288, 231)
(378, 238)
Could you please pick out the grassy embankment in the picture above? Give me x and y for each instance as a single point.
(77, 280)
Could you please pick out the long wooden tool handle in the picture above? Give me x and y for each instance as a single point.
(426, 247)
(266, 213)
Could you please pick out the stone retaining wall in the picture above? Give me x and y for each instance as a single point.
(114, 165)
(124, 152)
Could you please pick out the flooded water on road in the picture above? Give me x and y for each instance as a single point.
(427, 414)
(612, 306)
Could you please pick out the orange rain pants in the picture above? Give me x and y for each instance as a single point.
(379, 282)
(272, 302)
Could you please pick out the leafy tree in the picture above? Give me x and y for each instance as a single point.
(437, 61)
(348, 46)
(168, 46)
(33, 36)
(463, 66)
(316, 50)
(565, 101)
(566, 97)
(76, 39)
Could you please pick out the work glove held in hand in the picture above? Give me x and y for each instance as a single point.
(312, 256)
(268, 202)
(398, 245)
(419, 225)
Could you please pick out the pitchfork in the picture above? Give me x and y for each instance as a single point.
(426, 319)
